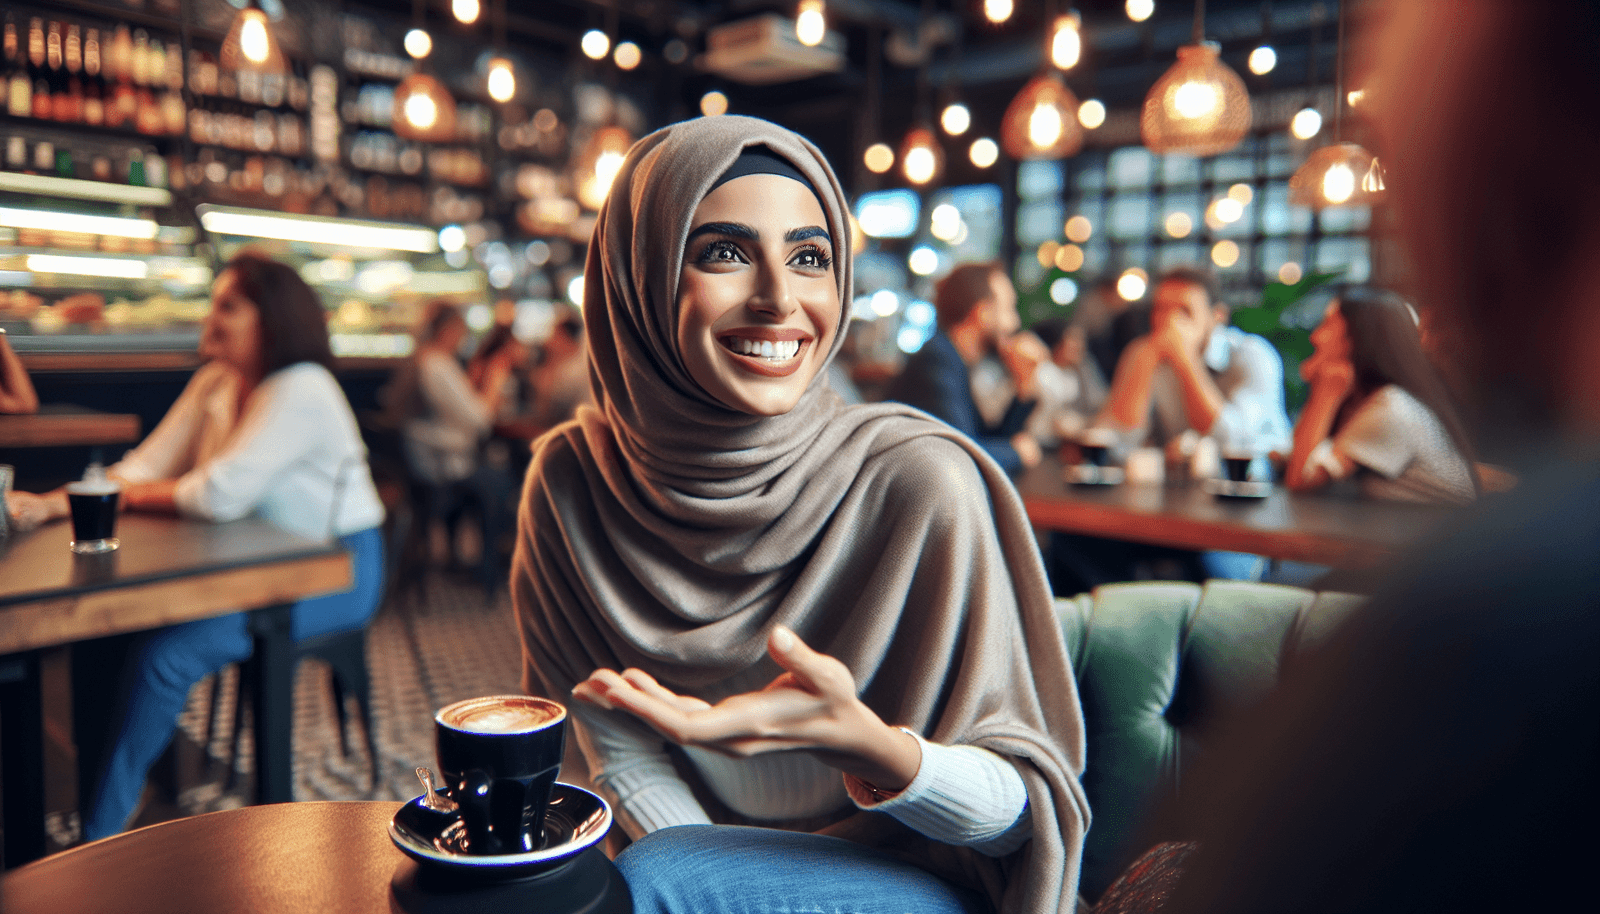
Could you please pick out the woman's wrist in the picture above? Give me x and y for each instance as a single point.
(887, 758)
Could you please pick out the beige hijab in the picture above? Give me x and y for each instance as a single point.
(665, 531)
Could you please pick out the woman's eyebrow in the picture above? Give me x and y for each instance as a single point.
(731, 229)
(810, 231)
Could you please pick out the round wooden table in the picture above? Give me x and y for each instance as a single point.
(286, 857)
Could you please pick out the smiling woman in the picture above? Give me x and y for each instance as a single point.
(805, 609)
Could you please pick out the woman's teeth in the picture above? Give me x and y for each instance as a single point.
(777, 350)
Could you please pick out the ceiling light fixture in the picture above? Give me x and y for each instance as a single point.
(1198, 107)
(465, 11)
(1042, 121)
(249, 44)
(810, 26)
(1339, 174)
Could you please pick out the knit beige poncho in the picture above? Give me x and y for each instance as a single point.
(663, 530)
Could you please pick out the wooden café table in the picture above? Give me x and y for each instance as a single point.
(66, 426)
(286, 858)
(1324, 529)
(167, 571)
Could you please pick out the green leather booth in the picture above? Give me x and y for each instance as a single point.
(1156, 662)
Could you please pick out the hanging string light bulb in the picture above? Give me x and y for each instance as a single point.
(465, 11)
(1198, 107)
(598, 164)
(998, 11)
(920, 156)
(810, 26)
(1339, 174)
(1066, 41)
(501, 80)
(249, 44)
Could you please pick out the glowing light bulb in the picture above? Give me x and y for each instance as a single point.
(1139, 11)
(1225, 254)
(502, 80)
(1242, 193)
(1262, 60)
(1069, 258)
(421, 111)
(997, 11)
(1066, 45)
(1044, 125)
(923, 261)
(466, 11)
(713, 103)
(253, 40)
(1196, 100)
(1079, 229)
(1228, 209)
(809, 24)
(984, 152)
(1338, 183)
(1356, 97)
(1047, 253)
(878, 158)
(1179, 225)
(1290, 273)
(1305, 123)
(605, 170)
(920, 165)
(956, 119)
(627, 55)
(1131, 285)
(595, 44)
(1092, 113)
(419, 44)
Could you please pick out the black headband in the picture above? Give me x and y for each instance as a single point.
(759, 160)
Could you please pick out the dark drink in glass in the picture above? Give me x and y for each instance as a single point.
(1237, 468)
(94, 516)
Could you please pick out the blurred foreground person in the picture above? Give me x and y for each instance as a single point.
(1378, 412)
(1441, 752)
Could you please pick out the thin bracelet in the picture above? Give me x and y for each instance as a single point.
(877, 793)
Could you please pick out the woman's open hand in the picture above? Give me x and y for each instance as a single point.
(811, 706)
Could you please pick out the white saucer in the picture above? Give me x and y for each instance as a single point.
(575, 821)
(1227, 488)
(1088, 474)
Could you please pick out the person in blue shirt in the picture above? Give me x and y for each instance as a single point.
(977, 308)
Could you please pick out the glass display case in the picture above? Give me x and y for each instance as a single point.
(91, 266)
(374, 277)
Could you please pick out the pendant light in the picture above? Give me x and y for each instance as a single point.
(921, 157)
(1198, 107)
(1042, 121)
(249, 44)
(1340, 174)
(597, 165)
(502, 77)
(424, 110)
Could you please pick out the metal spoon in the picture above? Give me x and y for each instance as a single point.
(431, 798)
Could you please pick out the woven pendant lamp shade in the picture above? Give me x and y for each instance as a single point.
(249, 44)
(1042, 121)
(424, 110)
(1199, 107)
(1342, 174)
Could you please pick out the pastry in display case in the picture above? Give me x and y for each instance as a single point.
(374, 277)
(88, 267)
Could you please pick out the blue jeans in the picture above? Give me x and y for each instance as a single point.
(172, 660)
(730, 869)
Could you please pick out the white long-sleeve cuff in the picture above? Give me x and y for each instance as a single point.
(965, 796)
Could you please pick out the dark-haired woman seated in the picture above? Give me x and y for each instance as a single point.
(1378, 411)
(262, 428)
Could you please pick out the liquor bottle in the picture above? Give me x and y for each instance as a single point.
(36, 69)
(94, 106)
(147, 114)
(120, 100)
(18, 87)
(73, 56)
(57, 73)
(174, 114)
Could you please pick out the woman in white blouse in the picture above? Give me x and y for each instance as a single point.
(1378, 411)
(262, 428)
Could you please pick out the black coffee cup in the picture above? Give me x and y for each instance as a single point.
(1093, 454)
(499, 756)
(94, 516)
(1237, 468)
